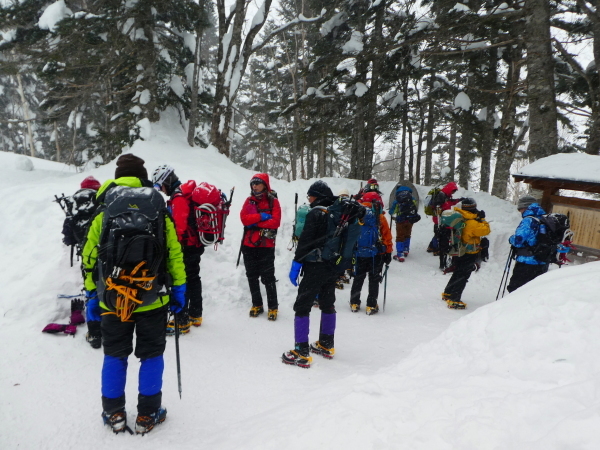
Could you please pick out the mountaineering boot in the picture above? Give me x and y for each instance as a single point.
(256, 311)
(272, 315)
(94, 341)
(117, 421)
(399, 257)
(339, 284)
(354, 307)
(372, 310)
(196, 321)
(346, 278)
(183, 325)
(445, 296)
(145, 424)
(94, 334)
(321, 350)
(299, 356)
(456, 304)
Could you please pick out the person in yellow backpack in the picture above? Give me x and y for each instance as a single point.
(475, 228)
(148, 320)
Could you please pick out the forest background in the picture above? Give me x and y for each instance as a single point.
(429, 91)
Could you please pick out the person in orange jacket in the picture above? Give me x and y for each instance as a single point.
(261, 217)
(374, 249)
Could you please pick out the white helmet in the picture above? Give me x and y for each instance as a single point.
(160, 174)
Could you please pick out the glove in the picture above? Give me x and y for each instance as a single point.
(481, 215)
(177, 302)
(92, 312)
(295, 272)
(264, 216)
(387, 258)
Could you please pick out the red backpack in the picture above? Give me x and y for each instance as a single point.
(211, 209)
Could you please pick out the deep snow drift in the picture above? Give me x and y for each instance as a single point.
(519, 373)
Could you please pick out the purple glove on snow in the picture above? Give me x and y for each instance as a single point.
(54, 328)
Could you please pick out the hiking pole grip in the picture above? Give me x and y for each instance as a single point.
(176, 321)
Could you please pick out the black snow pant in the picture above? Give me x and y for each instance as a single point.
(364, 266)
(260, 263)
(117, 339)
(465, 265)
(524, 273)
(318, 280)
(193, 292)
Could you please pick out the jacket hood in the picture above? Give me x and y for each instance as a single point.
(187, 188)
(264, 177)
(534, 210)
(449, 188)
(468, 215)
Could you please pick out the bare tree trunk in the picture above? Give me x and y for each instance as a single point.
(593, 144)
(505, 154)
(543, 134)
(452, 151)
(56, 142)
(430, 123)
(411, 155)
(26, 115)
(193, 122)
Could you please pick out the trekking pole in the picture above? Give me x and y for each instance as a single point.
(177, 353)
(72, 250)
(385, 285)
(240, 252)
(505, 273)
(293, 239)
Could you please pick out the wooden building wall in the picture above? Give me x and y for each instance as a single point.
(585, 222)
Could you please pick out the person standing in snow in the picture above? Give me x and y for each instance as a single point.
(404, 211)
(373, 251)
(319, 280)
(442, 202)
(527, 267)
(261, 217)
(475, 228)
(345, 277)
(180, 206)
(148, 322)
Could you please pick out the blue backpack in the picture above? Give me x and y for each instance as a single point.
(368, 244)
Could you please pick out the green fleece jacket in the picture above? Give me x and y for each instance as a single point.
(175, 264)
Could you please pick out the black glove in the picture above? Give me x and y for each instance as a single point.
(387, 258)
(481, 214)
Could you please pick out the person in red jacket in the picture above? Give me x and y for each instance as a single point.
(179, 204)
(261, 217)
(442, 202)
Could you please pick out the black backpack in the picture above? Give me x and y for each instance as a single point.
(553, 230)
(131, 265)
(84, 207)
(343, 231)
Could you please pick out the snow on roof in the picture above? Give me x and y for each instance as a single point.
(565, 166)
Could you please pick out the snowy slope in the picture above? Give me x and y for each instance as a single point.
(518, 373)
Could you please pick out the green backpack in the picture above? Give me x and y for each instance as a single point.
(429, 207)
(300, 220)
(456, 223)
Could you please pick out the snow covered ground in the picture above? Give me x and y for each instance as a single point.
(520, 373)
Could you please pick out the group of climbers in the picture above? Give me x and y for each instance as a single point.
(141, 260)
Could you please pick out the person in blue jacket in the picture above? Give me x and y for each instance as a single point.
(527, 267)
(404, 211)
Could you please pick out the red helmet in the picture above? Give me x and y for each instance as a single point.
(371, 197)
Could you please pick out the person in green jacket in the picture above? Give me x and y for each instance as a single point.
(148, 321)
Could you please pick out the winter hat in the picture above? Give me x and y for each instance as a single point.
(257, 180)
(371, 186)
(90, 183)
(450, 188)
(525, 201)
(403, 188)
(319, 189)
(129, 165)
(344, 193)
(469, 203)
(371, 197)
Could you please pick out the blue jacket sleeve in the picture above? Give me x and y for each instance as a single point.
(525, 234)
